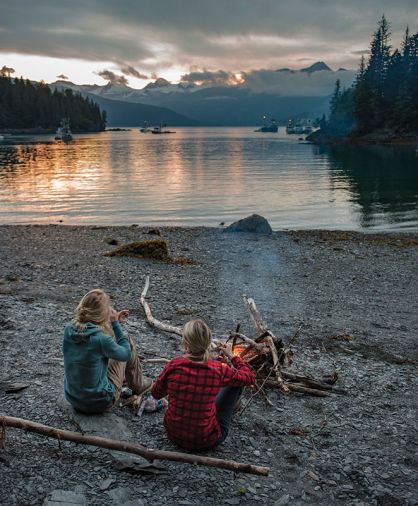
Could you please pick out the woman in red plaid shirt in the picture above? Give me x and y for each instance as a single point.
(202, 392)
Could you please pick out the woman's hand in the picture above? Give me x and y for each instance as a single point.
(113, 315)
(122, 315)
(119, 316)
(227, 351)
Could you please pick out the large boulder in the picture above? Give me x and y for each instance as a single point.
(254, 224)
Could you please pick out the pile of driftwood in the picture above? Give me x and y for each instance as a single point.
(266, 354)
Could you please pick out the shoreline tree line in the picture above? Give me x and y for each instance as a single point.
(384, 94)
(26, 105)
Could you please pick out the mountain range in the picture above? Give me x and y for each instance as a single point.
(282, 94)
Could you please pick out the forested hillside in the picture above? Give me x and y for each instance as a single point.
(26, 105)
(384, 94)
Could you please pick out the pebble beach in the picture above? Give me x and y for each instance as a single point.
(355, 296)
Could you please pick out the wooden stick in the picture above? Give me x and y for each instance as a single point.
(276, 365)
(255, 316)
(156, 360)
(165, 327)
(299, 388)
(305, 390)
(151, 320)
(259, 324)
(137, 449)
(248, 340)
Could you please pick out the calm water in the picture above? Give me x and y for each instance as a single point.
(203, 176)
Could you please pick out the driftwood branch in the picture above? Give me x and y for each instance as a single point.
(165, 327)
(276, 366)
(136, 449)
(248, 340)
(156, 360)
(255, 316)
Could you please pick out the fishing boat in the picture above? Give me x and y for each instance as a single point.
(160, 130)
(145, 129)
(268, 125)
(302, 126)
(63, 132)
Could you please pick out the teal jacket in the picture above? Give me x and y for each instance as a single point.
(86, 356)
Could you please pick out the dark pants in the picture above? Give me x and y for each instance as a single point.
(225, 402)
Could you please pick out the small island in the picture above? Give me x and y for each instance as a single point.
(27, 107)
(381, 107)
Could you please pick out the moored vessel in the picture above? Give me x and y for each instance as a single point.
(63, 132)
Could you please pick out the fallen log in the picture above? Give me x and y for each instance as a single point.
(134, 448)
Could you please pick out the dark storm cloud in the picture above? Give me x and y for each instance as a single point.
(233, 34)
(131, 71)
(207, 77)
(286, 83)
(113, 79)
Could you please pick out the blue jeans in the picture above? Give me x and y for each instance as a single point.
(225, 402)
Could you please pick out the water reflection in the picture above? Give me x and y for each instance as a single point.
(383, 182)
(203, 177)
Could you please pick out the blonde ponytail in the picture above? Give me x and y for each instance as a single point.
(197, 338)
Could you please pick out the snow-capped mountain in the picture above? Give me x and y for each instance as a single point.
(223, 98)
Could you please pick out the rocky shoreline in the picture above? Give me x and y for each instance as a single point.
(355, 295)
(383, 136)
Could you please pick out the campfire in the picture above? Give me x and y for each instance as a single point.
(266, 354)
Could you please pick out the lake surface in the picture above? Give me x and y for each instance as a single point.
(204, 176)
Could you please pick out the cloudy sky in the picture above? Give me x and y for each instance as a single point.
(137, 40)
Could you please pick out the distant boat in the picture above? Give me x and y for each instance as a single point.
(63, 132)
(268, 125)
(159, 130)
(300, 127)
(145, 129)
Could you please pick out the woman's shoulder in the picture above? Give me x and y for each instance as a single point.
(89, 331)
(178, 361)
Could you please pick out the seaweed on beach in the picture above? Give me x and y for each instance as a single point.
(155, 249)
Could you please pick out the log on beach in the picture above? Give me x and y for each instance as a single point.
(124, 446)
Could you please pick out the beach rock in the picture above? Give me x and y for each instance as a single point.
(284, 499)
(65, 498)
(111, 426)
(254, 224)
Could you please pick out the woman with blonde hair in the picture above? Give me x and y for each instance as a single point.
(202, 392)
(98, 357)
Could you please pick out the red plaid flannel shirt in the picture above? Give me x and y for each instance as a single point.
(191, 420)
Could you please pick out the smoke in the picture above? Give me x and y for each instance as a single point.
(63, 77)
(113, 79)
(131, 71)
(256, 267)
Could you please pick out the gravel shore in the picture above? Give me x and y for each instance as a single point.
(356, 296)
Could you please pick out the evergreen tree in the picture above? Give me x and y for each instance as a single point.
(26, 105)
(385, 91)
